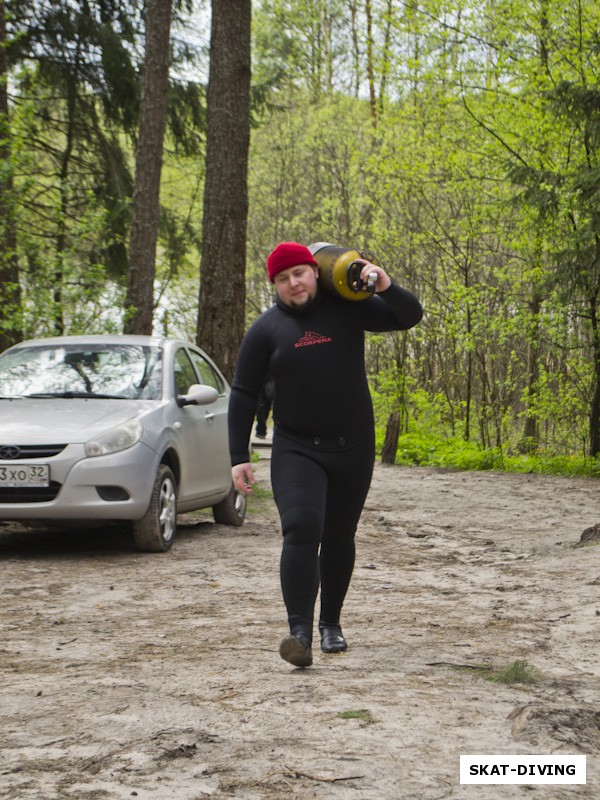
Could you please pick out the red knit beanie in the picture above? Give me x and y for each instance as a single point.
(288, 254)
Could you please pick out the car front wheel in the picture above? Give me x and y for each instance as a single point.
(154, 532)
(232, 509)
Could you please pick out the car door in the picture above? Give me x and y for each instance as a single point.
(202, 430)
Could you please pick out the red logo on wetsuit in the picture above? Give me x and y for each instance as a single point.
(310, 338)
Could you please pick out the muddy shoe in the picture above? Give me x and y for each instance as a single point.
(296, 650)
(332, 639)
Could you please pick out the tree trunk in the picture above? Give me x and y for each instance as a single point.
(221, 313)
(10, 295)
(595, 403)
(390, 444)
(370, 64)
(139, 303)
(386, 54)
(66, 156)
(531, 433)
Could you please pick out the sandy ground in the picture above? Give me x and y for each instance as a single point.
(157, 676)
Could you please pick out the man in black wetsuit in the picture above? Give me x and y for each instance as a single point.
(312, 345)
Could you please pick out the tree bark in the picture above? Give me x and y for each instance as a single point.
(390, 444)
(222, 298)
(139, 303)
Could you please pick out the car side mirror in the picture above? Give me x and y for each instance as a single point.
(198, 395)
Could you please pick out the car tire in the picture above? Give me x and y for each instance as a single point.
(155, 531)
(232, 509)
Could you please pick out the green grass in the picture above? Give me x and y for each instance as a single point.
(517, 672)
(430, 450)
(362, 714)
(260, 499)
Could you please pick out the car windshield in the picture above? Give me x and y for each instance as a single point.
(98, 370)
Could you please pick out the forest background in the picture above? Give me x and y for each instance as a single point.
(457, 141)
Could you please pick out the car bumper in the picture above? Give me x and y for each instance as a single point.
(89, 486)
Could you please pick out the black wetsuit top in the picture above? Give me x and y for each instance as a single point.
(315, 355)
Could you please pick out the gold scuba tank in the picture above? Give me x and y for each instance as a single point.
(339, 271)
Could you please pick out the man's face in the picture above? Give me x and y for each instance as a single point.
(296, 286)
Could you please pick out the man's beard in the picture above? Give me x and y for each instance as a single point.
(302, 303)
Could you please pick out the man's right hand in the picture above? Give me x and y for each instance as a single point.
(243, 477)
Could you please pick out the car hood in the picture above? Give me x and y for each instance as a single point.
(60, 421)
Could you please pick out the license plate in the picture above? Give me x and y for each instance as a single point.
(24, 475)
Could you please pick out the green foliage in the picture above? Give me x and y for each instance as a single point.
(73, 118)
(187, 117)
(426, 450)
(471, 172)
(428, 438)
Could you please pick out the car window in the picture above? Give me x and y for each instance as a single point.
(119, 371)
(207, 374)
(185, 375)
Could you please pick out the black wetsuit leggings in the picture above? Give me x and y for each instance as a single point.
(320, 494)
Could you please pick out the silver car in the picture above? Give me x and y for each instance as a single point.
(114, 428)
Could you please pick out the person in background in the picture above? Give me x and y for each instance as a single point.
(263, 408)
(312, 345)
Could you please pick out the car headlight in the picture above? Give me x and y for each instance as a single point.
(116, 439)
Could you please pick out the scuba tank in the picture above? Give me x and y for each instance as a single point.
(339, 270)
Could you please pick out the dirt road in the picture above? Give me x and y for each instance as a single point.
(126, 675)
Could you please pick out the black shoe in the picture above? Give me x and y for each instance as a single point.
(261, 435)
(332, 639)
(296, 650)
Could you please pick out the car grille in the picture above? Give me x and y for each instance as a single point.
(29, 494)
(9, 452)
